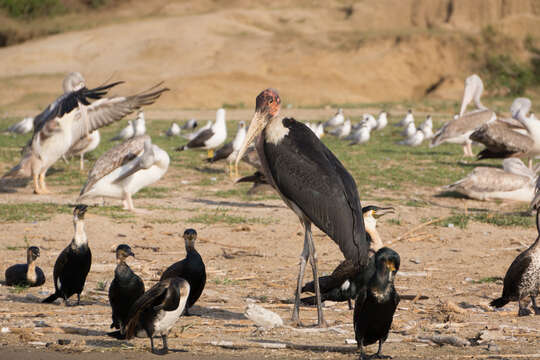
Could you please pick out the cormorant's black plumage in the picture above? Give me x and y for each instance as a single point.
(156, 311)
(190, 268)
(73, 263)
(19, 274)
(125, 288)
(377, 301)
(522, 279)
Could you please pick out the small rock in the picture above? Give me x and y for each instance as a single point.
(468, 279)
(64, 341)
(184, 182)
(451, 226)
(37, 343)
(40, 323)
(5, 330)
(415, 261)
(350, 342)
(492, 347)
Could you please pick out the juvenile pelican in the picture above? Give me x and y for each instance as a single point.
(210, 138)
(126, 133)
(174, 130)
(85, 145)
(125, 169)
(336, 120)
(382, 120)
(458, 131)
(514, 182)
(230, 150)
(70, 118)
(22, 127)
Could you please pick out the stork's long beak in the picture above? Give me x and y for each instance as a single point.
(383, 211)
(255, 128)
(468, 94)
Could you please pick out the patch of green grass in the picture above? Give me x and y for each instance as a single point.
(396, 221)
(220, 215)
(101, 285)
(491, 279)
(225, 281)
(162, 221)
(240, 192)
(17, 289)
(505, 219)
(32, 8)
(416, 203)
(30, 212)
(458, 220)
(154, 192)
(114, 212)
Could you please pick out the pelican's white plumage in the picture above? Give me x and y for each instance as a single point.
(514, 182)
(174, 130)
(125, 169)
(22, 127)
(85, 145)
(68, 119)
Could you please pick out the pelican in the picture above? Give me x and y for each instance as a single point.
(139, 124)
(504, 138)
(174, 130)
(196, 133)
(210, 138)
(409, 118)
(85, 145)
(409, 130)
(382, 120)
(312, 182)
(336, 120)
(415, 139)
(70, 118)
(126, 133)
(514, 182)
(229, 151)
(341, 131)
(459, 130)
(125, 169)
(360, 136)
(22, 127)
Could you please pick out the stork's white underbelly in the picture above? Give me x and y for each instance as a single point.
(106, 186)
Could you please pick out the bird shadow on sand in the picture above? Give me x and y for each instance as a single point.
(236, 204)
(32, 299)
(451, 194)
(218, 314)
(209, 170)
(109, 343)
(9, 186)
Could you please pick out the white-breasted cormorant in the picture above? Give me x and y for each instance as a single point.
(377, 301)
(522, 280)
(312, 182)
(190, 268)
(157, 310)
(73, 263)
(125, 288)
(26, 274)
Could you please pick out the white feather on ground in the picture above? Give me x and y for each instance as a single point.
(262, 317)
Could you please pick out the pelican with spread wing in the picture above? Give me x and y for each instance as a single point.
(71, 117)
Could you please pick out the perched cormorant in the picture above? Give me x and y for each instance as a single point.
(190, 268)
(125, 288)
(312, 182)
(523, 278)
(73, 263)
(343, 283)
(157, 310)
(26, 274)
(377, 301)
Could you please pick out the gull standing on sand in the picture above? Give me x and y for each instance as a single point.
(210, 138)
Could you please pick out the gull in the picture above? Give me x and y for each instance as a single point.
(125, 133)
(407, 119)
(382, 120)
(174, 130)
(22, 127)
(336, 120)
(210, 138)
(85, 145)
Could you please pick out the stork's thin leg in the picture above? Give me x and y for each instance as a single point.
(350, 304)
(78, 299)
(231, 172)
(379, 354)
(42, 185)
(535, 308)
(165, 346)
(82, 162)
(303, 261)
(313, 261)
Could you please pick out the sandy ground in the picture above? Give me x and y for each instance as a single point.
(259, 259)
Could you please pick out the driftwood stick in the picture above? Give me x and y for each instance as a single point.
(407, 233)
(226, 245)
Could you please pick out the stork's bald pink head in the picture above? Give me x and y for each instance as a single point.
(268, 102)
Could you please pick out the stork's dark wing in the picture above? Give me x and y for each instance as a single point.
(307, 174)
(201, 139)
(501, 140)
(222, 153)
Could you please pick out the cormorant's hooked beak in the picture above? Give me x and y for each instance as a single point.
(255, 129)
(383, 211)
(131, 253)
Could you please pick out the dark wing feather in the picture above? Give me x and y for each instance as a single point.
(174, 270)
(344, 271)
(307, 174)
(201, 139)
(59, 265)
(222, 153)
(514, 274)
(153, 297)
(500, 140)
